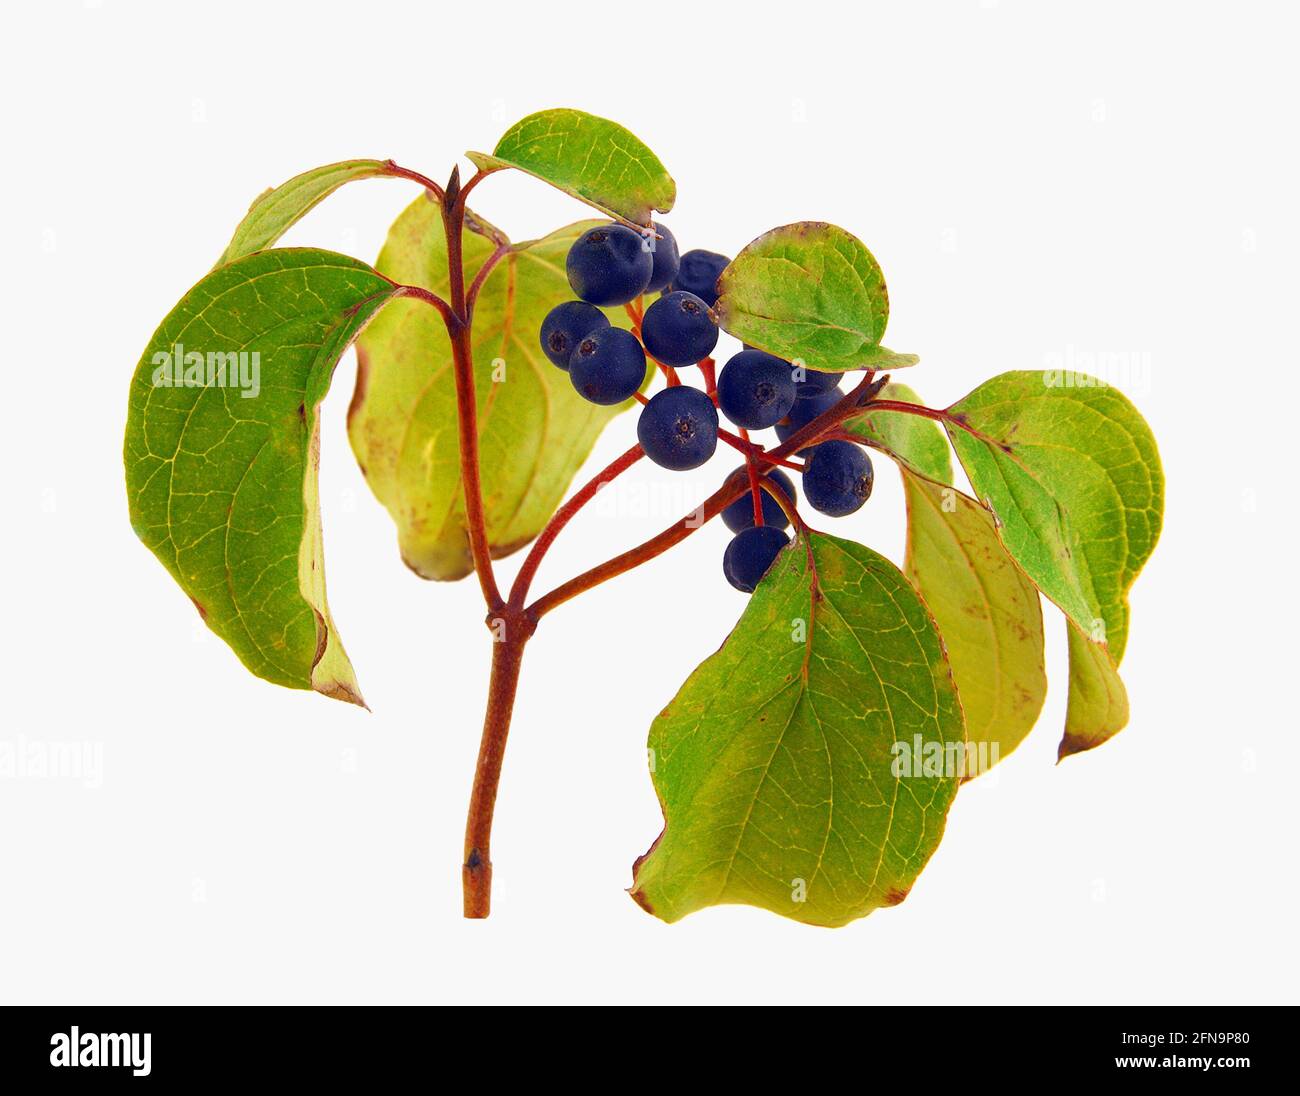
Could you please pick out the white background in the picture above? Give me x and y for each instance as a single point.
(1035, 179)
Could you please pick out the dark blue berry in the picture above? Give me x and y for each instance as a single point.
(805, 410)
(837, 478)
(698, 272)
(666, 259)
(607, 366)
(678, 428)
(740, 514)
(609, 265)
(809, 382)
(750, 554)
(678, 330)
(755, 389)
(565, 326)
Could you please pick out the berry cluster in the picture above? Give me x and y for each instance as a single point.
(613, 265)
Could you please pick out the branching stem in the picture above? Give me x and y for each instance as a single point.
(562, 517)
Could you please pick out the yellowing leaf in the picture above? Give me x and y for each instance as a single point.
(807, 767)
(535, 431)
(221, 474)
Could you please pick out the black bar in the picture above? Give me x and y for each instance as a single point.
(917, 1045)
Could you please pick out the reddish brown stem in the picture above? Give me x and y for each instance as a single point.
(755, 491)
(419, 293)
(458, 329)
(911, 409)
(710, 508)
(748, 448)
(489, 264)
(708, 370)
(944, 416)
(562, 517)
(476, 868)
(397, 171)
(787, 506)
(474, 181)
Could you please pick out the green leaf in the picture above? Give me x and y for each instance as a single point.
(275, 210)
(1073, 478)
(535, 431)
(987, 610)
(1098, 705)
(912, 440)
(776, 764)
(222, 478)
(1074, 481)
(812, 292)
(594, 159)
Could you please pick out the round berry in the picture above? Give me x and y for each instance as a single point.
(678, 329)
(805, 410)
(809, 382)
(698, 272)
(740, 514)
(750, 554)
(607, 366)
(837, 478)
(565, 326)
(609, 265)
(678, 428)
(755, 389)
(665, 258)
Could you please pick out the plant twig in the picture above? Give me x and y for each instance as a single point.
(476, 867)
(395, 169)
(710, 508)
(489, 264)
(458, 329)
(562, 517)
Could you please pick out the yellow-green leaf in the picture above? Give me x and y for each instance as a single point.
(535, 431)
(222, 455)
(1073, 478)
(594, 159)
(811, 292)
(1097, 708)
(807, 767)
(912, 440)
(987, 610)
(275, 210)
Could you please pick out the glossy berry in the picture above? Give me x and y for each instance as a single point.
(750, 554)
(697, 273)
(609, 265)
(755, 389)
(665, 259)
(565, 326)
(678, 428)
(607, 366)
(678, 330)
(837, 478)
(740, 514)
(809, 382)
(805, 410)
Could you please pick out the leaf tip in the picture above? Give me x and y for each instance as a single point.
(341, 690)
(1072, 744)
(638, 896)
(895, 895)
